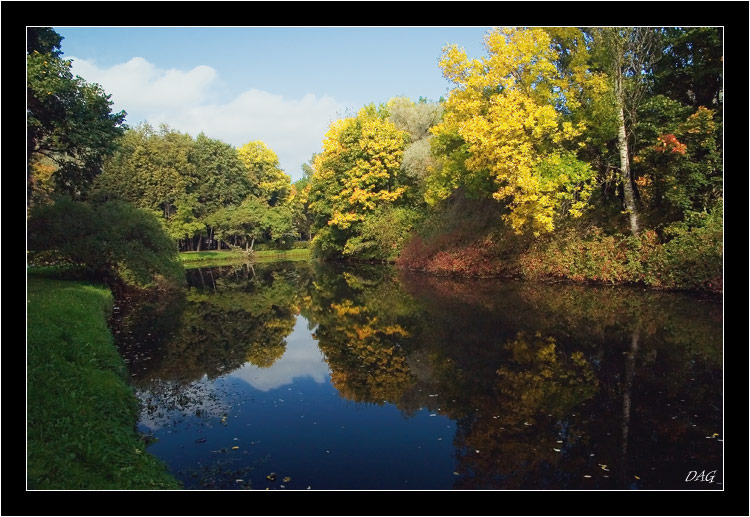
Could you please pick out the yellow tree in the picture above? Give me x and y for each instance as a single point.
(507, 128)
(358, 171)
(264, 172)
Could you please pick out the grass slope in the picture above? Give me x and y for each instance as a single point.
(81, 413)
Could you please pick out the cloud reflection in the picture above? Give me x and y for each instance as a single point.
(302, 358)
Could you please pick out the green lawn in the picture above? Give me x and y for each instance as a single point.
(216, 258)
(81, 413)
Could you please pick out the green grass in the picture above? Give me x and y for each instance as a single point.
(215, 258)
(81, 413)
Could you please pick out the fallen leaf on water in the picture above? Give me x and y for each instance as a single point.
(287, 479)
(636, 477)
(235, 447)
(200, 440)
(586, 476)
(715, 435)
(271, 476)
(556, 450)
(455, 473)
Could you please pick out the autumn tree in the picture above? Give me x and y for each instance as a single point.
(507, 130)
(358, 171)
(264, 172)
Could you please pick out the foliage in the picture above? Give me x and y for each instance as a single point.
(81, 411)
(681, 171)
(506, 114)
(691, 258)
(263, 172)
(253, 220)
(357, 172)
(383, 233)
(70, 125)
(115, 241)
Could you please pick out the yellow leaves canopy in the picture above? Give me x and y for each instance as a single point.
(509, 109)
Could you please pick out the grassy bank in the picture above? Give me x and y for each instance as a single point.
(226, 257)
(81, 413)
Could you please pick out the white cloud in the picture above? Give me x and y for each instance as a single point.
(302, 358)
(293, 128)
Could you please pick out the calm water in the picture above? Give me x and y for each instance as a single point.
(303, 376)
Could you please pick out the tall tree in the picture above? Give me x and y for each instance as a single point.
(507, 130)
(358, 171)
(627, 54)
(70, 124)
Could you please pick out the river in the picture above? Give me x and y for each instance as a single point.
(305, 376)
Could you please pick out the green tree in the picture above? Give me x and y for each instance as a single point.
(70, 124)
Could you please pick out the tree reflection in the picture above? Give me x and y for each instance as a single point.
(361, 330)
(228, 317)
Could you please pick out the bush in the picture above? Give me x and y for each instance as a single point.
(690, 256)
(113, 241)
(693, 258)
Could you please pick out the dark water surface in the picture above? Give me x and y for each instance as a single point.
(304, 376)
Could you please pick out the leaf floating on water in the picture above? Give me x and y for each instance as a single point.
(556, 450)
(200, 440)
(271, 476)
(714, 435)
(235, 447)
(559, 441)
(586, 476)
(636, 477)
(456, 473)
(433, 414)
(287, 479)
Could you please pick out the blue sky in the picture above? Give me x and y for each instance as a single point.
(281, 85)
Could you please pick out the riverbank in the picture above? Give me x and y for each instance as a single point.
(81, 413)
(227, 257)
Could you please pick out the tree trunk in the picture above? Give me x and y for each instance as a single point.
(627, 181)
(200, 241)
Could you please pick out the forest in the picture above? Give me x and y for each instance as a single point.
(583, 154)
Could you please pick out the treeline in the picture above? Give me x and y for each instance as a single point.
(120, 202)
(208, 194)
(606, 140)
(580, 153)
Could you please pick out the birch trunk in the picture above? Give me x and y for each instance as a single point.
(627, 185)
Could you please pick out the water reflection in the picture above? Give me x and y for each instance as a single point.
(301, 359)
(548, 386)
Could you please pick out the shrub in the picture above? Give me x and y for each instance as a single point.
(113, 241)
